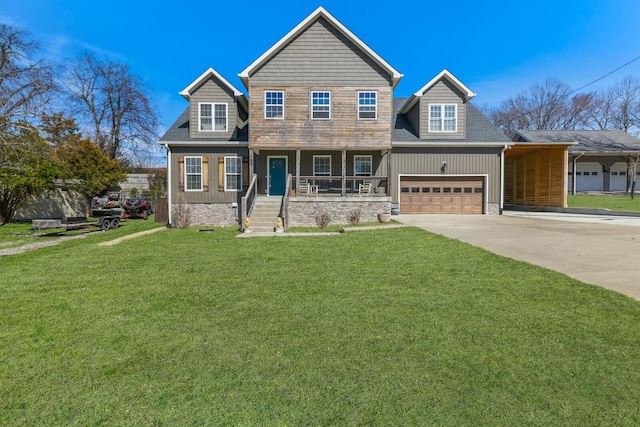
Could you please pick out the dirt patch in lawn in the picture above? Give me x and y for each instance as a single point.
(37, 245)
(130, 236)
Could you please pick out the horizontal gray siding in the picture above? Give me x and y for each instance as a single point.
(213, 195)
(212, 91)
(442, 92)
(460, 161)
(321, 55)
(414, 117)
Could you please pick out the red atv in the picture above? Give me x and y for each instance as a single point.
(137, 207)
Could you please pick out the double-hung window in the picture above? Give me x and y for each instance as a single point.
(213, 117)
(367, 105)
(322, 165)
(362, 165)
(321, 105)
(193, 173)
(233, 173)
(274, 105)
(442, 118)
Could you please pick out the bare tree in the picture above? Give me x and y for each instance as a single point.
(26, 85)
(113, 103)
(546, 106)
(625, 105)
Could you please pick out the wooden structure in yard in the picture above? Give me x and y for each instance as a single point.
(535, 175)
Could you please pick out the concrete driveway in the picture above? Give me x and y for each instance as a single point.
(596, 249)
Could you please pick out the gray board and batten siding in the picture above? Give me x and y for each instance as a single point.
(212, 156)
(460, 161)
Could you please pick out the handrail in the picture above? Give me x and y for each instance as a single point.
(284, 207)
(248, 201)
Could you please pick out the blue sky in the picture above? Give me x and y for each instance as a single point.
(497, 48)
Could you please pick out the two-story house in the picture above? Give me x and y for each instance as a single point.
(321, 132)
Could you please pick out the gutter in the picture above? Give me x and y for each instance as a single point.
(168, 184)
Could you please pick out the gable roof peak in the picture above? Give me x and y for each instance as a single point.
(320, 12)
(446, 74)
(188, 91)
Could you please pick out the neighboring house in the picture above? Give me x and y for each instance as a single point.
(599, 160)
(320, 132)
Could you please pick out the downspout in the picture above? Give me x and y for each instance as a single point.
(505, 148)
(573, 174)
(168, 185)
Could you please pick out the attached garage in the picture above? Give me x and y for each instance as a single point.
(442, 194)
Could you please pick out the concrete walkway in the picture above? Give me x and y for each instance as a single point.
(601, 250)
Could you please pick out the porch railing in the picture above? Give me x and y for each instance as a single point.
(333, 185)
(248, 200)
(284, 207)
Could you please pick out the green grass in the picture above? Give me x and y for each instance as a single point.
(606, 201)
(383, 327)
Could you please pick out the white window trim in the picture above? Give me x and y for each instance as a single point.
(213, 116)
(358, 105)
(368, 156)
(442, 118)
(226, 188)
(264, 103)
(314, 163)
(311, 104)
(186, 181)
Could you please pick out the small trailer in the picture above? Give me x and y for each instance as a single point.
(105, 223)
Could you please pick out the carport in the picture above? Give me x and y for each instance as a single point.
(535, 174)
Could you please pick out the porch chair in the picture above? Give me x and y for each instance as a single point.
(365, 187)
(303, 187)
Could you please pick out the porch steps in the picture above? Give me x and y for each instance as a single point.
(265, 213)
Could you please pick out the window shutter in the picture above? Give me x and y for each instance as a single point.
(205, 173)
(220, 173)
(181, 173)
(245, 173)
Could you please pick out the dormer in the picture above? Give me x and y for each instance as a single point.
(438, 111)
(217, 110)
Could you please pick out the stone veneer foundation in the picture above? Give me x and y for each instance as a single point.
(212, 214)
(302, 211)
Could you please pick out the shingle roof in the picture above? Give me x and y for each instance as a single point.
(479, 128)
(179, 132)
(600, 141)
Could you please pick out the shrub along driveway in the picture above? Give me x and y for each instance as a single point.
(600, 250)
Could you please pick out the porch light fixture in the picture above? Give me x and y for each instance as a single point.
(443, 168)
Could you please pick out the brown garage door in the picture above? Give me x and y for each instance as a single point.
(447, 194)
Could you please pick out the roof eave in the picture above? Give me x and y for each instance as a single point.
(186, 92)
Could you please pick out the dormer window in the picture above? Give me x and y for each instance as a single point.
(213, 117)
(443, 118)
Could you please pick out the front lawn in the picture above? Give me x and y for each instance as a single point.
(382, 327)
(614, 202)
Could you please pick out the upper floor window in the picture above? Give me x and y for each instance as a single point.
(321, 105)
(274, 105)
(233, 173)
(367, 105)
(193, 173)
(442, 117)
(213, 117)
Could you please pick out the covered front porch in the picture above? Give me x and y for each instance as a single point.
(343, 184)
(321, 173)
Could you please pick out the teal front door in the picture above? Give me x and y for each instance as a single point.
(277, 175)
